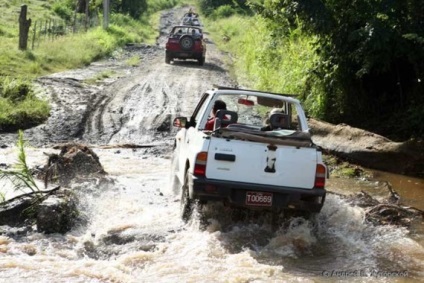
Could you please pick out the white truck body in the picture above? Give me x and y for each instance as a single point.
(277, 167)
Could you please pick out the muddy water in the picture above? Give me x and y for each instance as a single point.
(134, 234)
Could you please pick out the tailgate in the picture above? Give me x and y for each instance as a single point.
(252, 162)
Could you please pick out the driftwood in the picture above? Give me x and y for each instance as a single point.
(122, 145)
(387, 212)
(18, 210)
(74, 161)
(31, 194)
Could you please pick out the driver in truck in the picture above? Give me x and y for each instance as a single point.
(219, 105)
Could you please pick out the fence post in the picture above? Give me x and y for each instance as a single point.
(24, 25)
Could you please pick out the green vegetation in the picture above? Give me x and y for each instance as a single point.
(133, 61)
(361, 63)
(21, 175)
(130, 21)
(262, 60)
(101, 76)
(20, 108)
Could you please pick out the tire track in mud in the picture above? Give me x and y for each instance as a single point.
(140, 108)
(134, 104)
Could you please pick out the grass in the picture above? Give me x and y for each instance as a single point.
(133, 61)
(261, 59)
(73, 50)
(101, 76)
(21, 108)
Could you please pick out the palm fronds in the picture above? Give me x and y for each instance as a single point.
(20, 176)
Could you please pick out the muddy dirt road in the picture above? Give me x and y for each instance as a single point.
(130, 105)
(134, 232)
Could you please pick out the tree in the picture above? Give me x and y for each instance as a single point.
(372, 56)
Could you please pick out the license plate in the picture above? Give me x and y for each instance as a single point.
(184, 54)
(259, 198)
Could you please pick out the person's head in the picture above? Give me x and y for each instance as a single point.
(273, 111)
(219, 105)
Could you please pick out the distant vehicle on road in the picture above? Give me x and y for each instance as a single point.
(190, 21)
(185, 42)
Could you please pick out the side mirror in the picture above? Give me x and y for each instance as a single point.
(180, 122)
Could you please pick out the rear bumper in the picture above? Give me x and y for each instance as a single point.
(234, 194)
(185, 54)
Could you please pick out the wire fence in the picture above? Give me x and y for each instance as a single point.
(50, 30)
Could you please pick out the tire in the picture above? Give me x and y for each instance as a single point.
(186, 42)
(186, 207)
(167, 59)
(201, 61)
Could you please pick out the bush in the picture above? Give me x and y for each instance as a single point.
(158, 5)
(16, 90)
(224, 11)
(62, 11)
(20, 108)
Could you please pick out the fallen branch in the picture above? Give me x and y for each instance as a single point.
(107, 146)
(407, 210)
(30, 194)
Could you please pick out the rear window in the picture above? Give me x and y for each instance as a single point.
(255, 111)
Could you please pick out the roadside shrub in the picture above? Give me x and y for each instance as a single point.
(20, 108)
(15, 90)
(28, 113)
(224, 11)
(6, 107)
(209, 7)
(62, 10)
(264, 59)
(158, 5)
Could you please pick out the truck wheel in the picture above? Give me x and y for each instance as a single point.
(186, 202)
(167, 59)
(201, 61)
(186, 42)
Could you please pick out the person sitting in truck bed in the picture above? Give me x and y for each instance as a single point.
(268, 126)
(218, 105)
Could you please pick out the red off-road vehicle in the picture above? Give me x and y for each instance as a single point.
(185, 42)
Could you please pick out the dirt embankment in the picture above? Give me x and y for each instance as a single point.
(111, 102)
(368, 149)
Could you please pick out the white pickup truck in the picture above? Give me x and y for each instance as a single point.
(258, 155)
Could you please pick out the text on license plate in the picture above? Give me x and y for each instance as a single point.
(259, 198)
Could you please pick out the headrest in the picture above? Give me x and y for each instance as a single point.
(224, 118)
(279, 121)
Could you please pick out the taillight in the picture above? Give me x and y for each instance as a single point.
(320, 175)
(200, 164)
